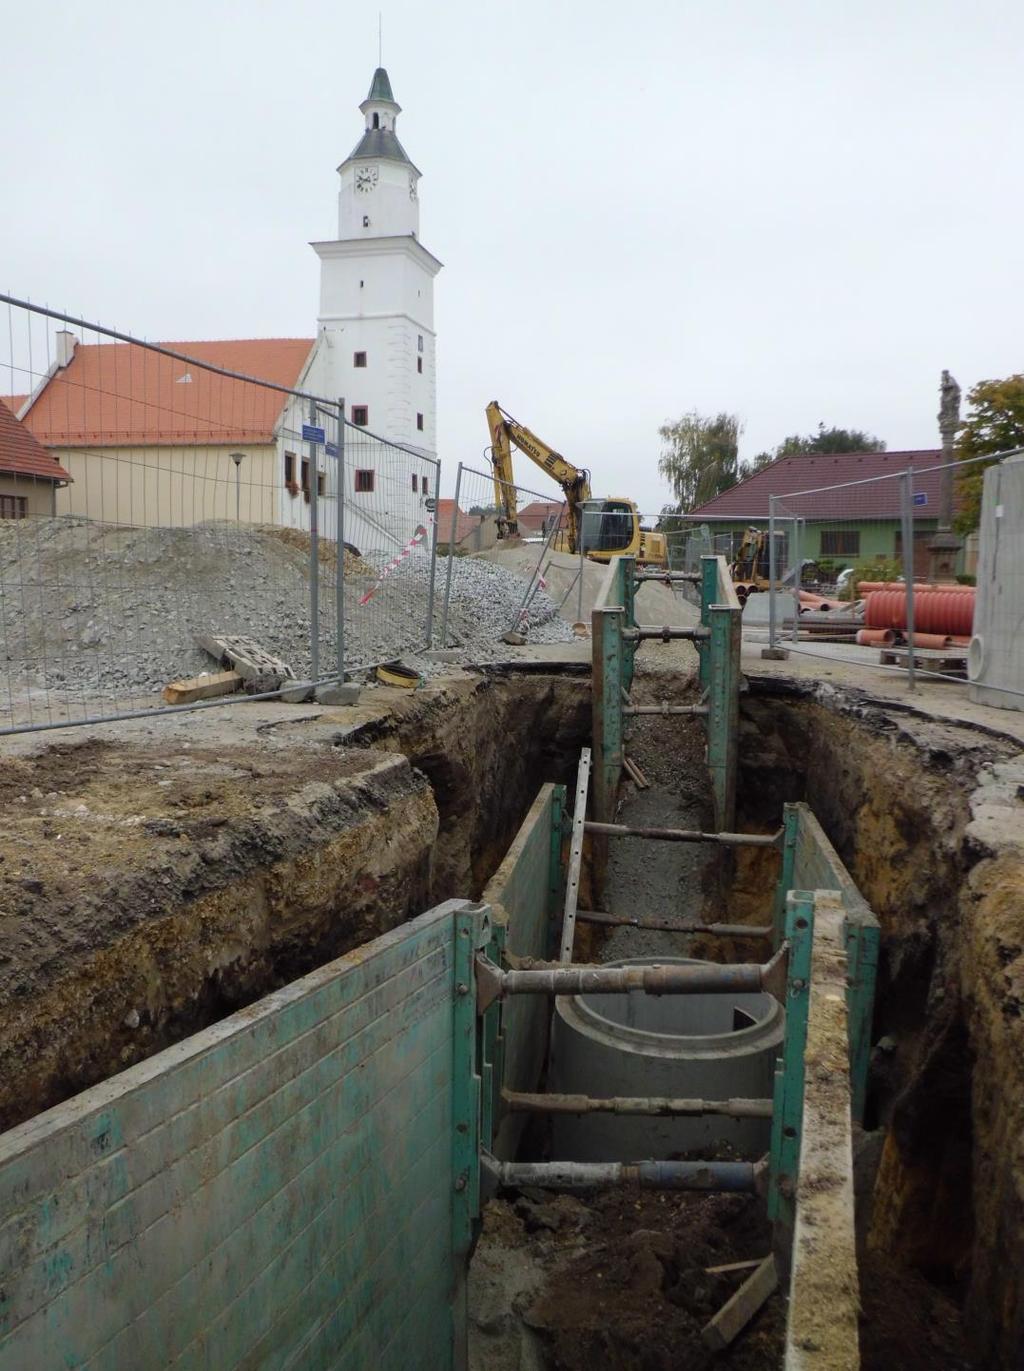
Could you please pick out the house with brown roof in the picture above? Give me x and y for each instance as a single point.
(540, 517)
(29, 475)
(148, 439)
(846, 514)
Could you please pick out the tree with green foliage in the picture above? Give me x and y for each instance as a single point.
(995, 424)
(825, 440)
(699, 457)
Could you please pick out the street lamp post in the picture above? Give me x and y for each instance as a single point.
(238, 458)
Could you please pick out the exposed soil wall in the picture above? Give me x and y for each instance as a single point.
(927, 817)
(149, 888)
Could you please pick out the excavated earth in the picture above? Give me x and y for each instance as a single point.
(148, 887)
(154, 881)
(927, 815)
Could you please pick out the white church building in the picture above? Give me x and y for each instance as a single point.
(143, 434)
(375, 345)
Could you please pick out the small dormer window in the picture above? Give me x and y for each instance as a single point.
(376, 121)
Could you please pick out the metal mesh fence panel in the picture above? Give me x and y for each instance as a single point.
(855, 569)
(474, 524)
(149, 499)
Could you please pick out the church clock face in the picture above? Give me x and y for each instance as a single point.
(366, 179)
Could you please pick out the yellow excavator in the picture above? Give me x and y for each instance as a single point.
(600, 528)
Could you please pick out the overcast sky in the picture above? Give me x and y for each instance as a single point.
(797, 211)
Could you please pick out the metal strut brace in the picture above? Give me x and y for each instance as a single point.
(666, 633)
(595, 916)
(686, 835)
(655, 1175)
(664, 708)
(523, 1102)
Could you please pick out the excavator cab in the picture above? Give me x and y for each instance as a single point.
(609, 528)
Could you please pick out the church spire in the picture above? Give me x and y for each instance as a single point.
(380, 86)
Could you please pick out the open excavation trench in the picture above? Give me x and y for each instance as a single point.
(152, 885)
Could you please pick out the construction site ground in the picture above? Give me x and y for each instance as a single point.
(114, 827)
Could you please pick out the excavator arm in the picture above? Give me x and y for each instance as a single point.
(506, 432)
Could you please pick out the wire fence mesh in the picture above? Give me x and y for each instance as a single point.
(154, 495)
(475, 523)
(869, 573)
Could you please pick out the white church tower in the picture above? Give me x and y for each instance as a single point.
(376, 323)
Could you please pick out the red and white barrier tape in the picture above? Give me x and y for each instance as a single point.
(417, 537)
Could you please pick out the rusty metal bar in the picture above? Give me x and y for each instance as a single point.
(664, 709)
(667, 577)
(594, 916)
(737, 978)
(645, 632)
(522, 1102)
(736, 1176)
(686, 835)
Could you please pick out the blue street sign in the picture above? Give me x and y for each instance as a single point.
(312, 434)
(920, 497)
(331, 449)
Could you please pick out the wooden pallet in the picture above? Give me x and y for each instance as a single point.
(950, 661)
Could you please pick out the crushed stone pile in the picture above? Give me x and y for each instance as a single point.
(90, 609)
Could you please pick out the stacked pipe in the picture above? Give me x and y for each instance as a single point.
(943, 615)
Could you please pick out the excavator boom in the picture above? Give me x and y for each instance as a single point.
(600, 528)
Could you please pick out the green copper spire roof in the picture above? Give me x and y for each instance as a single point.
(380, 86)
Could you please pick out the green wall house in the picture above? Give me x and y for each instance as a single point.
(841, 520)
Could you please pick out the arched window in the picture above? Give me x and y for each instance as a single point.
(376, 121)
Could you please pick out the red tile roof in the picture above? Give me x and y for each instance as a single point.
(537, 514)
(809, 472)
(13, 402)
(24, 455)
(123, 395)
(464, 523)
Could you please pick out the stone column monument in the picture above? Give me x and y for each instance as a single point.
(944, 547)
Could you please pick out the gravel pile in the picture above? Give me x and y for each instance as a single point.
(90, 610)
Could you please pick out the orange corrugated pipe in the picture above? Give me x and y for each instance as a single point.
(948, 612)
(936, 640)
(875, 637)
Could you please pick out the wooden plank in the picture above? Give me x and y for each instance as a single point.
(572, 882)
(737, 1312)
(202, 687)
(729, 1267)
(821, 1329)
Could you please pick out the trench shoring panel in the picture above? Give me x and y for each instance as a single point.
(274, 1191)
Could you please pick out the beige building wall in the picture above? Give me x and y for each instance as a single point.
(35, 490)
(171, 487)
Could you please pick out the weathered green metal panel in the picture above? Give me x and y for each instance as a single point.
(520, 896)
(275, 1191)
(817, 865)
(786, 882)
(708, 596)
(628, 574)
(723, 711)
(785, 1154)
(606, 691)
(556, 872)
(472, 933)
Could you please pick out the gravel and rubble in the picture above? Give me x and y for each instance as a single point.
(109, 612)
